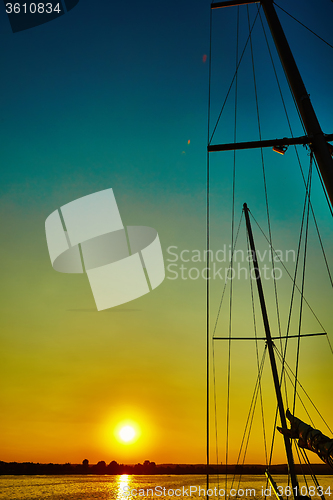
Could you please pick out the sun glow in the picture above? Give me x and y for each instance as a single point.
(127, 433)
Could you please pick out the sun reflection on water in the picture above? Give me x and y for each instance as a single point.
(123, 481)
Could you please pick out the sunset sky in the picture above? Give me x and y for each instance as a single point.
(114, 95)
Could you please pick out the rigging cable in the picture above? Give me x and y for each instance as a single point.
(290, 310)
(257, 352)
(292, 279)
(306, 394)
(218, 315)
(208, 254)
(291, 380)
(325, 193)
(303, 280)
(254, 406)
(265, 187)
(264, 178)
(215, 410)
(271, 250)
(307, 195)
(232, 82)
(289, 318)
(250, 414)
(296, 269)
(219, 311)
(232, 257)
(225, 284)
(300, 399)
(300, 462)
(313, 476)
(304, 26)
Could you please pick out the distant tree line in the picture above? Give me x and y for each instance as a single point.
(147, 468)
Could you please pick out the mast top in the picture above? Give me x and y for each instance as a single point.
(319, 144)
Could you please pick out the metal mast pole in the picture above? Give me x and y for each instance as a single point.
(316, 137)
(311, 124)
(270, 344)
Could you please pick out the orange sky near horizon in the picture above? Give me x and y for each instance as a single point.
(71, 374)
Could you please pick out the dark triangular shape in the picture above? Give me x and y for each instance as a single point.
(70, 4)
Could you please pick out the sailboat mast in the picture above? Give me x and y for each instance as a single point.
(270, 347)
(316, 138)
(302, 98)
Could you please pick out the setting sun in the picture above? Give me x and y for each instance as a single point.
(127, 433)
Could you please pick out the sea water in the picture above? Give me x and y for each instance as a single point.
(128, 487)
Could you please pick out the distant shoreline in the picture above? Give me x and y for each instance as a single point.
(148, 468)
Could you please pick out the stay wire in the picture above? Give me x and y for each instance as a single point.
(313, 476)
(232, 257)
(304, 26)
(251, 422)
(303, 281)
(282, 98)
(219, 310)
(232, 82)
(285, 108)
(292, 279)
(257, 352)
(220, 306)
(295, 277)
(307, 201)
(324, 190)
(264, 174)
(295, 103)
(251, 410)
(225, 284)
(275, 73)
(290, 128)
(273, 438)
(208, 256)
(301, 465)
(300, 399)
(215, 411)
(317, 228)
(306, 394)
(289, 318)
(292, 382)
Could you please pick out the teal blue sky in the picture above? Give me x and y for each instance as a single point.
(106, 91)
(114, 92)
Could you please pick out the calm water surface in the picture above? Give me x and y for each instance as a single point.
(142, 487)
